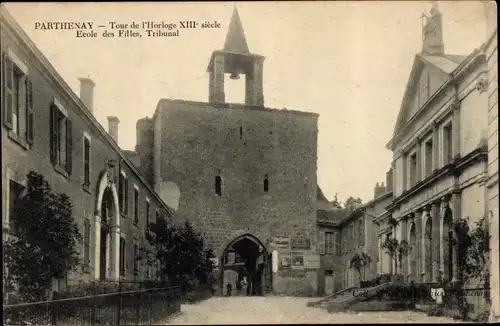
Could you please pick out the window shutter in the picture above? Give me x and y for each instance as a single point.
(120, 192)
(126, 197)
(8, 92)
(321, 242)
(29, 112)
(69, 146)
(53, 134)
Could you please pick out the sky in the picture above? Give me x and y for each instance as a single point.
(348, 61)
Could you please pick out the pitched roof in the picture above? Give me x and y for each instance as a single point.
(445, 64)
(235, 38)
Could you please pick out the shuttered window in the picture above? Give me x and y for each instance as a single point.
(329, 242)
(61, 139)
(86, 161)
(321, 242)
(86, 239)
(17, 103)
(123, 197)
(122, 256)
(337, 243)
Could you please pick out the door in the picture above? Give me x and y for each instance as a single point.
(328, 282)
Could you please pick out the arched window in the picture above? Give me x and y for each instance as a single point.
(266, 184)
(218, 186)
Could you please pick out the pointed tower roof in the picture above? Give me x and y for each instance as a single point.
(235, 38)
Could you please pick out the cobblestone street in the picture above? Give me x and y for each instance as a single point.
(282, 310)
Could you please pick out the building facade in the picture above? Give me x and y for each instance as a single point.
(440, 155)
(491, 52)
(48, 129)
(344, 232)
(244, 174)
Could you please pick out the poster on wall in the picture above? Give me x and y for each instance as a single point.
(297, 260)
(312, 261)
(285, 261)
(230, 257)
(275, 261)
(301, 242)
(281, 241)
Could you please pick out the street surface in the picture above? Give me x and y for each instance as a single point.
(282, 310)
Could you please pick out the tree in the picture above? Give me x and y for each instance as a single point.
(359, 261)
(183, 258)
(403, 251)
(396, 250)
(44, 242)
(352, 202)
(473, 249)
(390, 246)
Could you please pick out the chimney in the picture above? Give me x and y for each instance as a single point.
(388, 180)
(87, 93)
(113, 127)
(379, 190)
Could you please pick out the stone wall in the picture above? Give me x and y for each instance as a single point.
(243, 146)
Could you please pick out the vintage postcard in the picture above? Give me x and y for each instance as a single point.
(249, 162)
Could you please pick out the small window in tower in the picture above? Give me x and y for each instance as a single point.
(266, 184)
(241, 132)
(218, 186)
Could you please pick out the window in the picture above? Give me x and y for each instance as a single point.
(86, 240)
(428, 148)
(123, 193)
(122, 256)
(136, 259)
(61, 137)
(218, 186)
(266, 184)
(413, 169)
(136, 205)
(361, 232)
(329, 241)
(157, 216)
(241, 132)
(18, 97)
(338, 249)
(15, 192)
(86, 160)
(447, 143)
(147, 212)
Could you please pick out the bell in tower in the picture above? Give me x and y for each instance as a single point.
(235, 59)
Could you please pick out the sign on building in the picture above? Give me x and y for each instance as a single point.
(312, 261)
(301, 242)
(281, 242)
(275, 261)
(297, 260)
(230, 257)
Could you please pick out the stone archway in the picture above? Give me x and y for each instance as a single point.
(447, 244)
(412, 257)
(245, 257)
(428, 248)
(107, 229)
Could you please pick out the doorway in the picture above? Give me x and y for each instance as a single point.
(245, 268)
